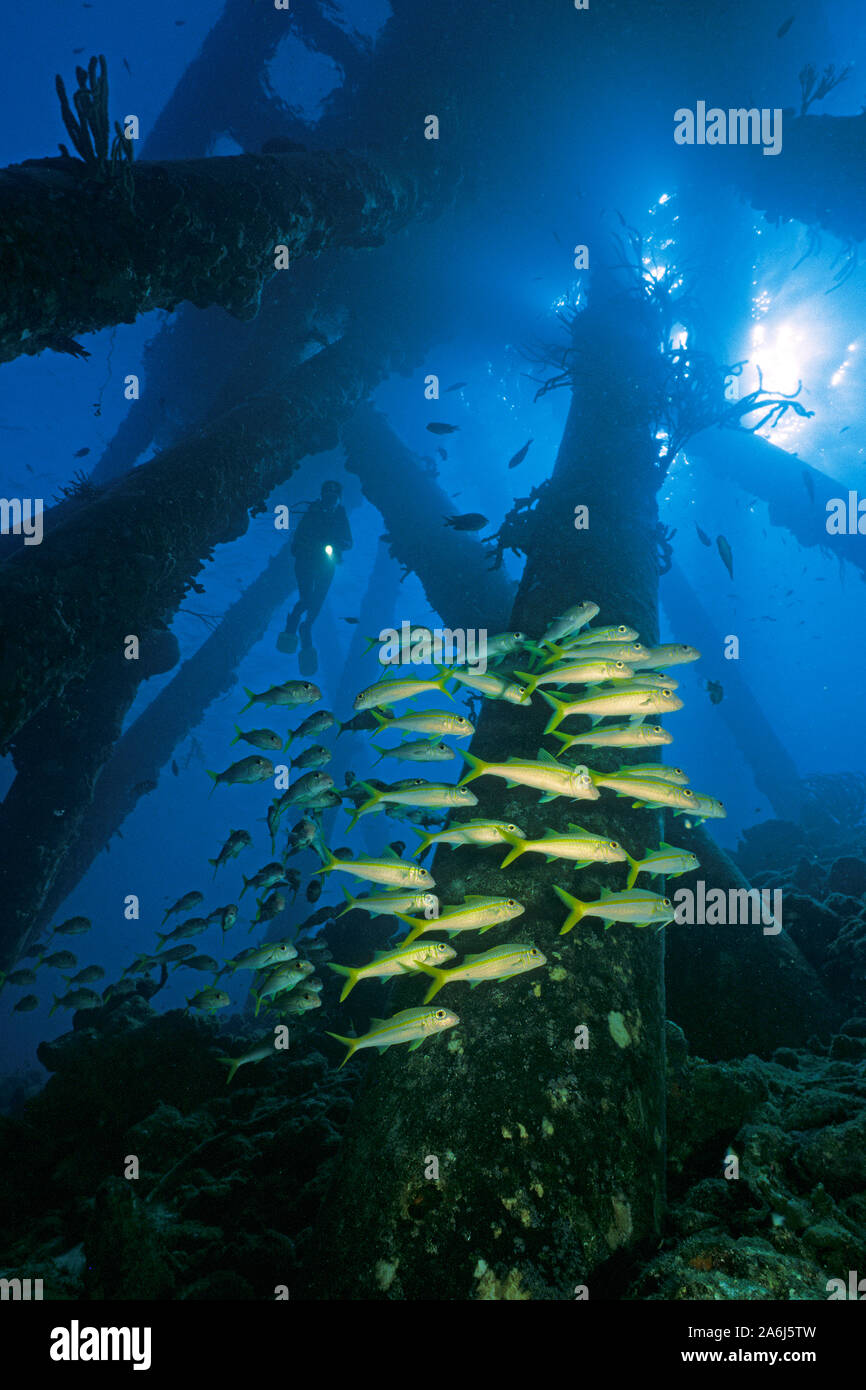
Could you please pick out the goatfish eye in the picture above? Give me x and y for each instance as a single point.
(666, 902)
(511, 902)
(440, 1013)
(622, 628)
(521, 690)
(612, 844)
(667, 692)
(686, 792)
(620, 665)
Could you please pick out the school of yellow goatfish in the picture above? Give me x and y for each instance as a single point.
(603, 673)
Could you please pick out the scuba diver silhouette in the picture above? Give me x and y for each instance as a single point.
(318, 545)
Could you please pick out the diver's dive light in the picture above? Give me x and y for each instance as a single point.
(329, 550)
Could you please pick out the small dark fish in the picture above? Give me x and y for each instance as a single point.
(73, 926)
(206, 963)
(293, 879)
(470, 521)
(359, 724)
(437, 427)
(443, 453)
(80, 453)
(269, 908)
(399, 847)
(783, 28)
(88, 976)
(350, 620)
(842, 431)
(78, 50)
(726, 553)
(174, 767)
(809, 485)
(715, 692)
(314, 891)
(128, 68)
(702, 536)
(456, 387)
(520, 455)
(21, 977)
(59, 960)
(179, 22)
(26, 1004)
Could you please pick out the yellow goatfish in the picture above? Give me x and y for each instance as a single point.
(502, 963)
(571, 621)
(385, 963)
(667, 859)
(470, 832)
(618, 736)
(390, 871)
(579, 672)
(673, 654)
(635, 905)
(598, 704)
(386, 692)
(580, 846)
(411, 1026)
(547, 775)
(476, 912)
(424, 794)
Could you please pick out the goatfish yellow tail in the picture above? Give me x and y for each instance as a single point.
(577, 909)
(559, 708)
(374, 798)
(232, 1063)
(529, 681)
(478, 766)
(416, 924)
(328, 859)
(424, 842)
(634, 870)
(439, 978)
(351, 1044)
(519, 847)
(352, 975)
